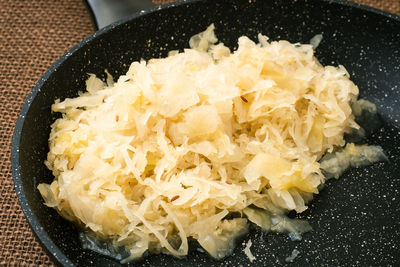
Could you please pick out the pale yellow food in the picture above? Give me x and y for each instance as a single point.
(178, 143)
(247, 251)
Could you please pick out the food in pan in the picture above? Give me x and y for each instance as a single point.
(199, 144)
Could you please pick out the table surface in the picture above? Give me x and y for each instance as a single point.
(33, 34)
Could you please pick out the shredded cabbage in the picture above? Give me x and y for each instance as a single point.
(247, 251)
(170, 149)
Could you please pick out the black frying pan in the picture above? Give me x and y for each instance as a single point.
(356, 220)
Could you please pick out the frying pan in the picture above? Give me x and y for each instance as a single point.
(355, 220)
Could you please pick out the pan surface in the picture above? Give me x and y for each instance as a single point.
(355, 220)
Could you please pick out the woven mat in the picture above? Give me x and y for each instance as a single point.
(33, 34)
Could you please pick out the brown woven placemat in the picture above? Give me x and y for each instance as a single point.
(33, 34)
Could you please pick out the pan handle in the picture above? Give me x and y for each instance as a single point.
(106, 12)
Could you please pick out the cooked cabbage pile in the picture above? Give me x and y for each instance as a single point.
(196, 144)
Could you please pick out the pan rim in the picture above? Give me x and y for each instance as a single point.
(39, 232)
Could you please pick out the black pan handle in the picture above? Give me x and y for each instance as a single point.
(106, 12)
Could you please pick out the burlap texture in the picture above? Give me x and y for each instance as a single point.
(33, 34)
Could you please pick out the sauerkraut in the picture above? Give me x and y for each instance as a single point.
(196, 144)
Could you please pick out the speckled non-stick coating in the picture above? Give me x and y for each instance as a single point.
(356, 219)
